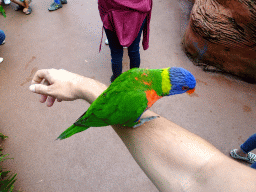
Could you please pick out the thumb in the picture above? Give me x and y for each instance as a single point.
(39, 88)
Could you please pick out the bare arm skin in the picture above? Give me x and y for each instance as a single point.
(173, 158)
(178, 160)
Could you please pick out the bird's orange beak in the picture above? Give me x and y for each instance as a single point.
(191, 91)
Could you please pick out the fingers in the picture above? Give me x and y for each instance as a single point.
(39, 88)
(43, 98)
(40, 75)
(41, 83)
(59, 100)
(50, 101)
(43, 89)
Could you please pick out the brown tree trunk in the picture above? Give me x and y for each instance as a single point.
(222, 33)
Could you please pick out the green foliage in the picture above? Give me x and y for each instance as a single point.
(3, 136)
(2, 11)
(6, 180)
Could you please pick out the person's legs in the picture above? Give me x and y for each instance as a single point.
(249, 144)
(55, 5)
(244, 152)
(2, 37)
(253, 166)
(27, 9)
(116, 53)
(22, 4)
(26, 3)
(134, 49)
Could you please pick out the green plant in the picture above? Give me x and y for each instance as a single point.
(6, 180)
(3, 136)
(2, 11)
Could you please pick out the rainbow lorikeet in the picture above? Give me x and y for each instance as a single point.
(131, 94)
(2, 11)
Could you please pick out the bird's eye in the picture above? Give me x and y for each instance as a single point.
(185, 88)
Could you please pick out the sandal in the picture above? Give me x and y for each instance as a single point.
(106, 42)
(54, 6)
(28, 11)
(251, 157)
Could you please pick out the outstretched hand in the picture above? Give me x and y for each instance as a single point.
(55, 84)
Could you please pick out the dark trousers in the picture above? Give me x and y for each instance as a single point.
(2, 37)
(249, 145)
(117, 51)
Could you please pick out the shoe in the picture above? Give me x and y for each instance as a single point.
(112, 79)
(54, 6)
(28, 11)
(7, 2)
(3, 42)
(64, 1)
(251, 157)
(1, 59)
(106, 42)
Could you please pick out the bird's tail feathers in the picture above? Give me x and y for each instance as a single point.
(73, 129)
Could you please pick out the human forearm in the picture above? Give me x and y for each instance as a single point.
(142, 142)
(172, 157)
(88, 89)
(177, 160)
(64, 86)
(167, 153)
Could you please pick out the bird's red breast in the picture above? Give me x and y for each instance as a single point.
(152, 97)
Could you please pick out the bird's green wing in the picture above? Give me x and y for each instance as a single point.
(124, 109)
(121, 108)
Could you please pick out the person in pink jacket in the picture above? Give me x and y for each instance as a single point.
(123, 22)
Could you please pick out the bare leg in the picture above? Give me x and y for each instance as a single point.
(18, 3)
(27, 10)
(26, 3)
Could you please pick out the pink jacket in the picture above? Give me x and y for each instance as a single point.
(125, 17)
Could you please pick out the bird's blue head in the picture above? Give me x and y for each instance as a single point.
(181, 81)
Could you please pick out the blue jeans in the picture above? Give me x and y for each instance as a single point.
(2, 37)
(117, 51)
(57, 1)
(249, 145)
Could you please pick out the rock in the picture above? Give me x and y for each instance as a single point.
(222, 33)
